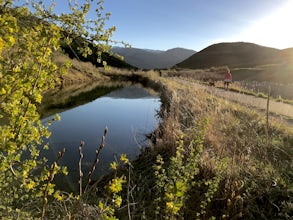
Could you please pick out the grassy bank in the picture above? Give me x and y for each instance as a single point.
(210, 158)
(242, 171)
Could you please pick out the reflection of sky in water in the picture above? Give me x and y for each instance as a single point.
(128, 120)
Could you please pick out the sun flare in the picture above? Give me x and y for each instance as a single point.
(274, 30)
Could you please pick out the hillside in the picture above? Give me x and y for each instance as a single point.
(111, 60)
(287, 55)
(153, 59)
(238, 54)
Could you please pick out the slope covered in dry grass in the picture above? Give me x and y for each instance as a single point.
(238, 54)
(244, 169)
(256, 182)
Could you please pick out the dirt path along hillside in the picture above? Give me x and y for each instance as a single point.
(278, 108)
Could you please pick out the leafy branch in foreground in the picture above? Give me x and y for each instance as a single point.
(28, 40)
(176, 178)
(48, 186)
(99, 203)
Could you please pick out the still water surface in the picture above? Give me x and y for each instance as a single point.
(129, 113)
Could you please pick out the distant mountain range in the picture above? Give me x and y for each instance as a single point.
(153, 59)
(239, 54)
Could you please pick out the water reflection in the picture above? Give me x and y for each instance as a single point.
(129, 113)
(58, 100)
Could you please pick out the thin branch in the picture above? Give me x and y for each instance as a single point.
(12, 170)
(79, 167)
(90, 173)
(50, 179)
(128, 193)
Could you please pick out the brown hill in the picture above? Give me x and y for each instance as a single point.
(287, 55)
(239, 54)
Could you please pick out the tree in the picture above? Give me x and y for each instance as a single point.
(29, 35)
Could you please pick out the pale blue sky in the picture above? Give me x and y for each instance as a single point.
(196, 24)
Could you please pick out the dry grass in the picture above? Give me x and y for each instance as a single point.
(258, 79)
(277, 90)
(282, 92)
(118, 72)
(226, 119)
(235, 134)
(278, 73)
(210, 74)
(79, 71)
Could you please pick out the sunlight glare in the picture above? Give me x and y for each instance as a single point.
(275, 30)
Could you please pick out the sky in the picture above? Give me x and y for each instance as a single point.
(196, 24)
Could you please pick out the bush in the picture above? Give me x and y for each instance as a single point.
(28, 41)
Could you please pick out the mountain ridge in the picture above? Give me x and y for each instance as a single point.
(153, 59)
(236, 54)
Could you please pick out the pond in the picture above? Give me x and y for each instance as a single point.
(129, 113)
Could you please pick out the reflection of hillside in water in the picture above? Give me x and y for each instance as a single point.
(129, 113)
(59, 100)
(132, 92)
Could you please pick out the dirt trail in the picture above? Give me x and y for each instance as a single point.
(277, 108)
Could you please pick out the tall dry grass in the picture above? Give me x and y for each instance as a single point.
(277, 90)
(258, 157)
(282, 92)
(79, 72)
(211, 74)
